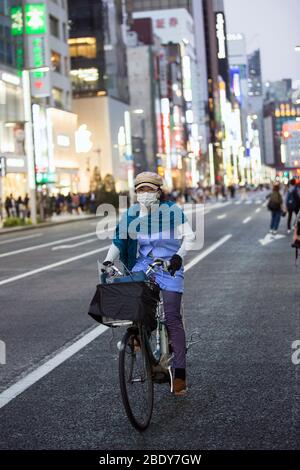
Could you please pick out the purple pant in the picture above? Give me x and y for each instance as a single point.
(172, 304)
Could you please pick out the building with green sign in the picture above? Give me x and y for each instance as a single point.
(40, 30)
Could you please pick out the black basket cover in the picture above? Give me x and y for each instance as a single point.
(133, 301)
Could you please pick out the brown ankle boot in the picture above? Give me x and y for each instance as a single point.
(180, 387)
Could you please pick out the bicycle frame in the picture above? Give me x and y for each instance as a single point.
(160, 357)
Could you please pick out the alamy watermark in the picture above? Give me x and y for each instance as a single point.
(2, 353)
(296, 353)
(166, 222)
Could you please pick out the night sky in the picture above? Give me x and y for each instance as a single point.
(273, 26)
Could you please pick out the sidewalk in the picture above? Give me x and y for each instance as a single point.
(55, 220)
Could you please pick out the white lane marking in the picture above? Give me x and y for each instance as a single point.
(221, 217)
(249, 202)
(247, 220)
(13, 240)
(63, 240)
(216, 205)
(258, 210)
(43, 370)
(85, 242)
(51, 266)
(237, 203)
(269, 238)
(30, 379)
(258, 201)
(65, 247)
(45, 245)
(207, 252)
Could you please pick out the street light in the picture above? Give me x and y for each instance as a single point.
(297, 48)
(29, 139)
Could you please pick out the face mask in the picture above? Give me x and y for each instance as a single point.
(147, 199)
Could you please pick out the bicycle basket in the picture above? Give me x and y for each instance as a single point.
(118, 303)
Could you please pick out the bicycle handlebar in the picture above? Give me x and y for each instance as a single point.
(113, 269)
(157, 263)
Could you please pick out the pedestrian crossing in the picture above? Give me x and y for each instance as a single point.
(211, 206)
(248, 202)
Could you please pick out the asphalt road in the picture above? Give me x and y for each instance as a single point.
(242, 297)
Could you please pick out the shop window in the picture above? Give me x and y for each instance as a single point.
(57, 95)
(83, 47)
(54, 26)
(85, 79)
(56, 61)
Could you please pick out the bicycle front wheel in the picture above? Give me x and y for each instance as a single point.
(136, 383)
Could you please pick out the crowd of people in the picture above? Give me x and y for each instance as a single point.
(16, 206)
(283, 203)
(48, 205)
(72, 203)
(219, 192)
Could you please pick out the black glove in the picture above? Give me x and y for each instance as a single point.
(106, 264)
(175, 264)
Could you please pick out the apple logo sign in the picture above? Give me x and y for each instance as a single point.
(83, 139)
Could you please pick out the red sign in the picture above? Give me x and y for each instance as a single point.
(160, 23)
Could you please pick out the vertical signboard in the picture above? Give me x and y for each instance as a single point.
(35, 18)
(163, 73)
(29, 26)
(222, 50)
(17, 23)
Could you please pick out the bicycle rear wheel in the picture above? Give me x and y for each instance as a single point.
(136, 382)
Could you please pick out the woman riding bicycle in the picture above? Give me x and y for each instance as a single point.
(162, 231)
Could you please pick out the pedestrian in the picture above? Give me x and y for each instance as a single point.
(23, 210)
(232, 190)
(20, 208)
(200, 193)
(75, 203)
(292, 203)
(217, 191)
(92, 199)
(13, 207)
(275, 207)
(82, 200)
(26, 204)
(69, 203)
(8, 206)
(224, 192)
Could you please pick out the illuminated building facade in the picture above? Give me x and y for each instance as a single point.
(282, 136)
(100, 82)
(97, 49)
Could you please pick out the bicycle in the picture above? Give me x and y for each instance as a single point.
(144, 359)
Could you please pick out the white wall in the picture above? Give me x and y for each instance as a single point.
(103, 116)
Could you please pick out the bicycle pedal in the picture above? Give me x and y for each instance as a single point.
(160, 375)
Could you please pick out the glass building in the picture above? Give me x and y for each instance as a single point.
(254, 74)
(97, 49)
